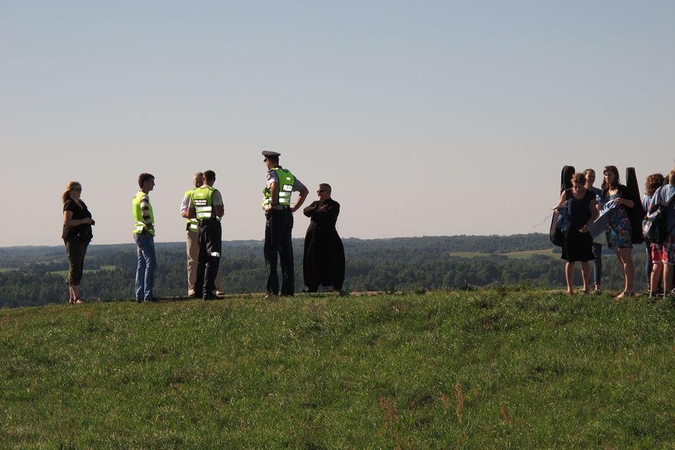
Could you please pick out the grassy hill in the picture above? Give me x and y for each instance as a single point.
(494, 368)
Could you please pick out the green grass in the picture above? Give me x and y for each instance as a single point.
(499, 368)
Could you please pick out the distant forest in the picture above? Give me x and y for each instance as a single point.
(31, 276)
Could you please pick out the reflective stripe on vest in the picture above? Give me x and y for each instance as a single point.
(286, 180)
(139, 227)
(202, 198)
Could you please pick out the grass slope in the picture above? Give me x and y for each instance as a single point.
(473, 370)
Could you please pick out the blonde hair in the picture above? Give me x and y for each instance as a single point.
(69, 187)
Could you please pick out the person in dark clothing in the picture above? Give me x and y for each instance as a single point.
(206, 206)
(77, 223)
(579, 204)
(601, 239)
(280, 185)
(324, 256)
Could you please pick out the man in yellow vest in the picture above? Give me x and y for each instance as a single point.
(192, 238)
(206, 206)
(279, 223)
(144, 236)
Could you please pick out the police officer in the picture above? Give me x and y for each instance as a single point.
(206, 205)
(279, 223)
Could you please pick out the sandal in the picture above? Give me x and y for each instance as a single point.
(625, 294)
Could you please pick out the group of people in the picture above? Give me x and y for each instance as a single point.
(587, 208)
(203, 209)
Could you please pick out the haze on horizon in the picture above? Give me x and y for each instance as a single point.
(427, 118)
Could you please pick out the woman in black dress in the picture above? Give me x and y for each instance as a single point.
(579, 205)
(324, 256)
(77, 234)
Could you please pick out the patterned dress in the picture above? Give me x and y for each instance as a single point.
(619, 232)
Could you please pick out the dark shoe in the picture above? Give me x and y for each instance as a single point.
(210, 296)
(197, 295)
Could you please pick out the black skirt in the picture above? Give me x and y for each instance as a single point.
(577, 246)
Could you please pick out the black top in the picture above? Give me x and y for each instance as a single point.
(79, 213)
(580, 209)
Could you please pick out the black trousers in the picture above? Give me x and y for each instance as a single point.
(278, 233)
(210, 245)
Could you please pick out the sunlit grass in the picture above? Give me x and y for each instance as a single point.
(493, 368)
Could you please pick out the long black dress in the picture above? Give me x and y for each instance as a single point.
(324, 257)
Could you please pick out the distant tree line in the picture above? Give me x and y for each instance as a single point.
(33, 276)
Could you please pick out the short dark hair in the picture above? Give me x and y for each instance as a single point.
(142, 178)
(209, 175)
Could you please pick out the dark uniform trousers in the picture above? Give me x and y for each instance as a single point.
(210, 245)
(278, 232)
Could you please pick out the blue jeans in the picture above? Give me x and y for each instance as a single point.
(145, 270)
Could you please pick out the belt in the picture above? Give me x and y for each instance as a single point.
(280, 207)
(202, 222)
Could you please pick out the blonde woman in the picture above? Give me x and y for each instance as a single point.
(77, 234)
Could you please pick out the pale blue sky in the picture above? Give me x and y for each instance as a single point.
(427, 117)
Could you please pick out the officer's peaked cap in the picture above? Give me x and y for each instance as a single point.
(270, 154)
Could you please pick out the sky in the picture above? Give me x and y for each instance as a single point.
(428, 118)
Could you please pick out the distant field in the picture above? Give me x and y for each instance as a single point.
(8, 269)
(65, 272)
(516, 255)
(530, 253)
